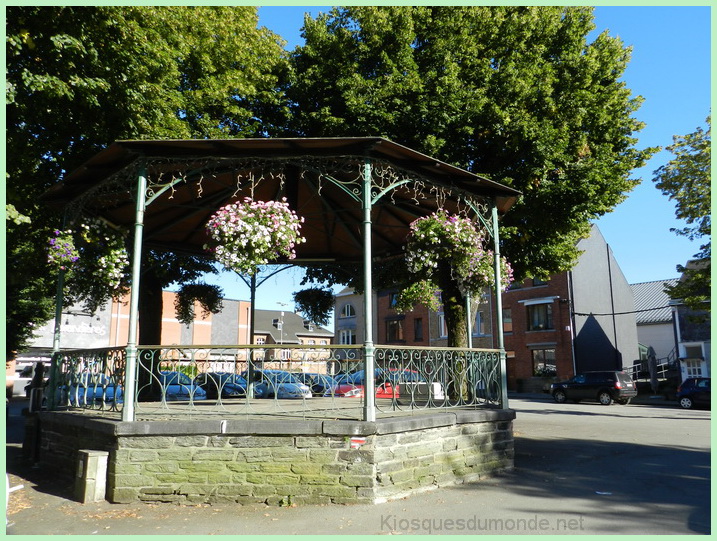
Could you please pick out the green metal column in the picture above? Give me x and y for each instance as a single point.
(369, 413)
(499, 312)
(131, 357)
(54, 368)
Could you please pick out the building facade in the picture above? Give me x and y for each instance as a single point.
(109, 327)
(574, 322)
(654, 319)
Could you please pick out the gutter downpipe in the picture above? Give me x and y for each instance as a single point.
(131, 351)
(369, 413)
(499, 311)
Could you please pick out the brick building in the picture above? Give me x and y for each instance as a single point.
(576, 321)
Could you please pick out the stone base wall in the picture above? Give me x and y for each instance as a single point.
(282, 462)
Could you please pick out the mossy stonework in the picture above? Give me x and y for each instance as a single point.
(281, 462)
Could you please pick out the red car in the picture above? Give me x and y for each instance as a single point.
(385, 390)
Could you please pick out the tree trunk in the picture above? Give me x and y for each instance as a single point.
(150, 333)
(454, 312)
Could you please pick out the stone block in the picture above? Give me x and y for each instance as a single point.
(146, 442)
(123, 495)
(402, 476)
(218, 455)
(160, 467)
(243, 467)
(191, 441)
(143, 455)
(322, 455)
(174, 454)
(289, 454)
(356, 455)
(308, 468)
(311, 499)
(176, 477)
(424, 449)
(275, 467)
(263, 490)
(276, 427)
(320, 479)
(349, 428)
(334, 469)
(357, 480)
(219, 478)
(204, 466)
(128, 480)
(261, 441)
(335, 491)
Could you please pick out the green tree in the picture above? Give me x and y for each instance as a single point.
(79, 78)
(686, 179)
(513, 93)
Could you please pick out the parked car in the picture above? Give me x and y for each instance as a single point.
(694, 392)
(386, 382)
(320, 384)
(278, 384)
(89, 388)
(604, 386)
(179, 386)
(228, 384)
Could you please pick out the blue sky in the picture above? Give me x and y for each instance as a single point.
(670, 69)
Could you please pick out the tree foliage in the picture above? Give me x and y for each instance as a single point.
(686, 179)
(513, 93)
(79, 78)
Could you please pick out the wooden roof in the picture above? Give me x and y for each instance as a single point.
(188, 180)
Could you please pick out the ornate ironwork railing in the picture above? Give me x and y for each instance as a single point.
(308, 381)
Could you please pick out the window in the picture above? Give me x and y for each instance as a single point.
(479, 325)
(260, 340)
(540, 317)
(442, 329)
(392, 300)
(394, 330)
(507, 320)
(347, 337)
(544, 362)
(348, 311)
(418, 329)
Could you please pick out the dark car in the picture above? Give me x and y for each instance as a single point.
(179, 386)
(89, 388)
(694, 392)
(605, 387)
(320, 384)
(230, 385)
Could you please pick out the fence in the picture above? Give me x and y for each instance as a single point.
(307, 381)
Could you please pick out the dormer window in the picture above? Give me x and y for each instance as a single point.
(348, 311)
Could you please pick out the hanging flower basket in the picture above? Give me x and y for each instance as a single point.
(93, 252)
(252, 233)
(441, 238)
(62, 252)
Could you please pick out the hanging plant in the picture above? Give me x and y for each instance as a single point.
(208, 296)
(246, 235)
(95, 260)
(441, 243)
(316, 304)
(62, 252)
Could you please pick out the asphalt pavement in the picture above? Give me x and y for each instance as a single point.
(579, 469)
